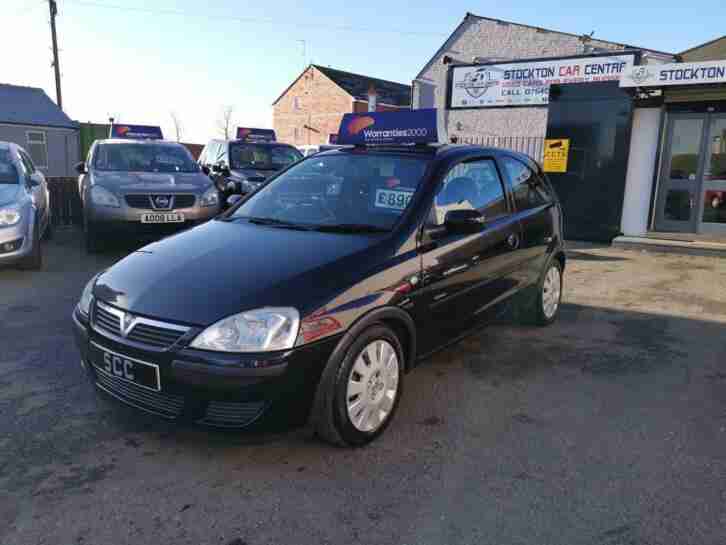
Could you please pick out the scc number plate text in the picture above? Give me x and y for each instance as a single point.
(129, 369)
(162, 217)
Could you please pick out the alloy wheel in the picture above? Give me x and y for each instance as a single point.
(551, 292)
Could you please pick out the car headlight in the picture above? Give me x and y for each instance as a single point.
(84, 305)
(9, 216)
(210, 197)
(260, 330)
(103, 197)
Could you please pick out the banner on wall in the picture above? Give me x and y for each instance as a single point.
(687, 73)
(527, 83)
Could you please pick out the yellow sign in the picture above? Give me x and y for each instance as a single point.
(556, 152)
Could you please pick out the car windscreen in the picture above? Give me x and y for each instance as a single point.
(8, 171)
(365, 192)
(144, 158)
(262, 157)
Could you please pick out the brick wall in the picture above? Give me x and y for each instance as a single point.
(487, 38)
(310, 110)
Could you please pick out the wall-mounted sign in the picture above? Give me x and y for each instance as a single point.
(527, 83)
(687, 73)
(556, 153)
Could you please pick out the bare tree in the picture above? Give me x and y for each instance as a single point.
(224, 122)
(178, 127)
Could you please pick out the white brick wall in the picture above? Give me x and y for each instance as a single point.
(487, 38)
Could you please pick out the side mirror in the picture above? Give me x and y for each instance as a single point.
(464, 221)
(205, 169)
(81, 167)
(233, 199)
(35, 180)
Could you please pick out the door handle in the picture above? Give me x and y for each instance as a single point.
(513, 241)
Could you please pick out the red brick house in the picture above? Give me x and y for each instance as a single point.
(309, 111)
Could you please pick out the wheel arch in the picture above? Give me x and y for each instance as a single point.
(396, 319)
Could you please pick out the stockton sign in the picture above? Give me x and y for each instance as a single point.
(527, 83)
(659, 75)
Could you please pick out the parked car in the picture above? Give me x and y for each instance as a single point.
(25, 214)
(136, 183)
(313, 296)
(241, 166)
(313, 149)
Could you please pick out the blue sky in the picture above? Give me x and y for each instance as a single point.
(140, 66)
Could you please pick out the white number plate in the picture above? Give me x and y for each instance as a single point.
(162, 217)
(393, 200)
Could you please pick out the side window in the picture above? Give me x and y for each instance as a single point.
(529, 190)
(202, 159)
(27, 163)
(223, 154)
(38, 148)
(474, 185)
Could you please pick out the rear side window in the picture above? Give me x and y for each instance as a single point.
(472, 185)
(529, 190)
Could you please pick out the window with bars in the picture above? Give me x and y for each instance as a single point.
(38, 148)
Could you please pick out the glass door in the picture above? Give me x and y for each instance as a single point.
(713, 201)
(680, 184)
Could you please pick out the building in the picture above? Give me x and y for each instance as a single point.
(676, 180)
(483, 40)
(29, 118)
(310, 110)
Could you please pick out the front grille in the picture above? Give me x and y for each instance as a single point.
(144, 331)
(154, 336)
(225, 414)
(184, 201)
(106, 320)
(166, 405)
(139, 201)
(144, 201)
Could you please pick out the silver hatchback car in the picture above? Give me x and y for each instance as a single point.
(137, 187)
(25, 215)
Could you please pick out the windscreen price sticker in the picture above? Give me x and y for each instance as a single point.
(393, 199)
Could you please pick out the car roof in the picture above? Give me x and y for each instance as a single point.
(138, 141)
(438, 151)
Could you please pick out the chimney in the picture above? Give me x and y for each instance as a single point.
(372, 98)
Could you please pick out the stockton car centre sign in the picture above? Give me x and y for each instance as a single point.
(528, 83)
(691, 73)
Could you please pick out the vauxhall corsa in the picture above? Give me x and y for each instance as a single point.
(310, 299)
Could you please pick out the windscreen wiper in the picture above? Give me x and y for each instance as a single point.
(351, 228)
(277, 223)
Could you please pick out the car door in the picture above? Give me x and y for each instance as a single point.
(465, 275)
(535, 209)
(40, 191)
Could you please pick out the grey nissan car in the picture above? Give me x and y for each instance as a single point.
(136, 185)
(25, 215)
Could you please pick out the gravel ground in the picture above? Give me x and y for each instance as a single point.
(608, 428)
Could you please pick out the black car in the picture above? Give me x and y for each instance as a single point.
(241, 166)
(311, 298)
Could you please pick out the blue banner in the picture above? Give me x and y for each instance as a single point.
(255, 135)
(138, 132)
(404, 127)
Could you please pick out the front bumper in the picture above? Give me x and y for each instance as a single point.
(21, 237)
(227, 391)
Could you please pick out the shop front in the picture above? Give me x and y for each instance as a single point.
(687, 187)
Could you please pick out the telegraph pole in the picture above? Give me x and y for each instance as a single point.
(56, 65)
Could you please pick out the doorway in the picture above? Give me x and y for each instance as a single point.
(692, 192)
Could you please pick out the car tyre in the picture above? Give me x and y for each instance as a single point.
(357, 396)
(34, 261)
(48, 235)
(540, 304)
(90, 237)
